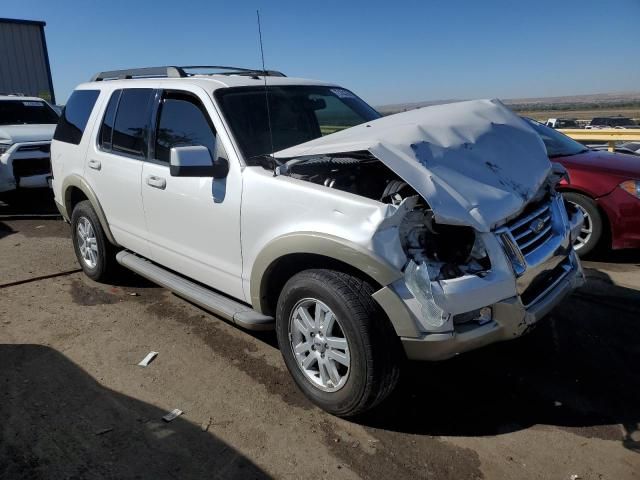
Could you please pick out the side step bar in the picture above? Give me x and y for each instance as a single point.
(236, 312)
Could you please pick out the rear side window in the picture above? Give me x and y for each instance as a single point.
(182, 122)
(75, 116)
(106, 130)
(132, 122)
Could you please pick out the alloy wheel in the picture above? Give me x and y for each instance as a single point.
(586, 231)
(87, 243)
(319, 345)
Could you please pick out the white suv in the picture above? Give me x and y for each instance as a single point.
(285, 203)
(26, 128)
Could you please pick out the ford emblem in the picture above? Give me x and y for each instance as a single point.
(536, 225)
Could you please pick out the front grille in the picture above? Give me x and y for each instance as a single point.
(35, 148)
(27, 167)
(533, 229)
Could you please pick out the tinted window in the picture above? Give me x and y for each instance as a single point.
(182, 122)
(132, 121)
(20, 112)
(75, 116)
(106, 130)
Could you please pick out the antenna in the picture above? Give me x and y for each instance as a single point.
(266, 91)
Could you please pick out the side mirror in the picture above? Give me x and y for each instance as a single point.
(195, 161)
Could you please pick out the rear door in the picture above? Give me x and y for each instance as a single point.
(193, 223)
(114, 165)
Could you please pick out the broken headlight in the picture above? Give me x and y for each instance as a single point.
(451, 251)
(418, 282)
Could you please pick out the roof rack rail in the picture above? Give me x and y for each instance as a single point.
(179, 72)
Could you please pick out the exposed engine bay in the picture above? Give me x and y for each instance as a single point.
(359, 173)
(449, 251)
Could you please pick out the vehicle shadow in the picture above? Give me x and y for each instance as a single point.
(629, 255)
(28, 203)
(58, 422)
(579, 369)
(5, 230)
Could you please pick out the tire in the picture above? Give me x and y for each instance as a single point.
(100, 264)
(591, 233)
(372, 346)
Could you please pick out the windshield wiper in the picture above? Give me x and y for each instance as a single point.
(263, 160)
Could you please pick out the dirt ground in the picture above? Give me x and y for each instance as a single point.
(562, 401)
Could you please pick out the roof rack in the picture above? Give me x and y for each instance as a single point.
(180, 72)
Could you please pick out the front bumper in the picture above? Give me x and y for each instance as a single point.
(511, 319)
(25, 165)
(623, 212)
(532, 270)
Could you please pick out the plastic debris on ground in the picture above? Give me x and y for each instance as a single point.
(148, 359)
(172, 415)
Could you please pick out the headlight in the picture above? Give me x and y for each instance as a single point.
(419, 284)
(4, 147)
(632, 187)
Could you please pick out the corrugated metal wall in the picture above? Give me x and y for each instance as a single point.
(24, 66)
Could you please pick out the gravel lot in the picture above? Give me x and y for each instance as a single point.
(562, 401)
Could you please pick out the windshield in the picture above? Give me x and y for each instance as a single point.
(298, 114)
(558, 144)
(20, 112)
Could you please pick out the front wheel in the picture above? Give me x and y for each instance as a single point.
(336, 343)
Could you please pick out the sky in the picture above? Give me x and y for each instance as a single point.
(385, 51)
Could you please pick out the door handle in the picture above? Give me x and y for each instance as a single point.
(156, 182)
(95, 164)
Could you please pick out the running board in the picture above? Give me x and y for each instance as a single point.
(231, 310)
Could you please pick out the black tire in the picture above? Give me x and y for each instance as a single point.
(374, 348)
(105, 264)
(594, 219)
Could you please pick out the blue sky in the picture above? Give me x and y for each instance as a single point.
(387, 52)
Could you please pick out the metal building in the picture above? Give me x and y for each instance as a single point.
(24, 60)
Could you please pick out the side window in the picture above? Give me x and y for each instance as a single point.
(182, 121)
(132, 121)
(75, 116)
(106, 129)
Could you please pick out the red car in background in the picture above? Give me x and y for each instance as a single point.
(604, 186)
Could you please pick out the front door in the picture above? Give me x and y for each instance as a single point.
(193, 222)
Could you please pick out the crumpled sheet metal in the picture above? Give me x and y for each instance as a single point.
(476, 163)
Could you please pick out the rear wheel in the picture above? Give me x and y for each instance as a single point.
(93, 250)
(591, 232)
(336, 343)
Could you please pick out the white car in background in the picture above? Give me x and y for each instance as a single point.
(26, 129)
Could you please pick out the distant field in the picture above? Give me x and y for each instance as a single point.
(582, 114)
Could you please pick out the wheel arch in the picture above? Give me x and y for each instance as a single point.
(289, 254)
(75, 189)
(606, 221)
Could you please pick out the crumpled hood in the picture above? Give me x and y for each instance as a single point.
(26, 133)
(476, 163)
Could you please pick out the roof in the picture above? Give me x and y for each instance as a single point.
(39, 23)
(207, 82)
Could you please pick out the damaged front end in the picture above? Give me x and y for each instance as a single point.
(472, 219)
